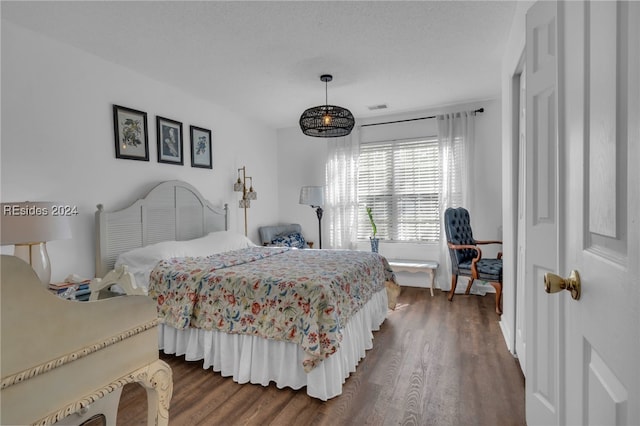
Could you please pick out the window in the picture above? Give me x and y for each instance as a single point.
(400, 181)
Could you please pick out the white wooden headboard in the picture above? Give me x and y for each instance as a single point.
(171, 211)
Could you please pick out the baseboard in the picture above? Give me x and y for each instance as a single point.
(508, 339)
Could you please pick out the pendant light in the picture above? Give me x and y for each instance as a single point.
(326, 121)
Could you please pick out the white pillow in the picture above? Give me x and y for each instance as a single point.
(141, 261)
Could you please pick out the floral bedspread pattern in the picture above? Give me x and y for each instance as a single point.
(300, 296)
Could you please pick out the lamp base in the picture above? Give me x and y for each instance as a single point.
(319, 212)
(35, 254)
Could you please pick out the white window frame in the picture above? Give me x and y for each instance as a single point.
(404, 194)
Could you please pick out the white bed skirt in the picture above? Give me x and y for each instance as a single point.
(251, 359)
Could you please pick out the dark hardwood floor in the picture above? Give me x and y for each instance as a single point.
(434, 362)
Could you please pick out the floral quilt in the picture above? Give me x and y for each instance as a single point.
(300, 296)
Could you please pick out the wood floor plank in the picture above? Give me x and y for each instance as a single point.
(434, 362)
(301, 410)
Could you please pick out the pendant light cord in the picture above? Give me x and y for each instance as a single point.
(326, 94)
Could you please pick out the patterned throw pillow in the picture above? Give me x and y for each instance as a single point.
(290, 240)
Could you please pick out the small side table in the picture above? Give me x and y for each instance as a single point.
(413, 266)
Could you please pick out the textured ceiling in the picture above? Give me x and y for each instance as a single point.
(263, 59)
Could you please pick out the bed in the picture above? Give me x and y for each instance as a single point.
(298, 318)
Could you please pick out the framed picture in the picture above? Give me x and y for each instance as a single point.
(169, 141)
(130, 131)
(201, 155)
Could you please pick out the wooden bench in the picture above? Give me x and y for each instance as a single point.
(413, 266)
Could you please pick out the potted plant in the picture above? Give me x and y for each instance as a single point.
(373, 239)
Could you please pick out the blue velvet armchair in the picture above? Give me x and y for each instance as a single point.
(466, 256)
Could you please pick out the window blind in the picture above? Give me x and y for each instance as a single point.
(400, 181)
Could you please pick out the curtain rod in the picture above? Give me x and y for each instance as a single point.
(410, 119)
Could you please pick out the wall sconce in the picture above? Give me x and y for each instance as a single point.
(247, 194)
(29, 225)
(314, 197)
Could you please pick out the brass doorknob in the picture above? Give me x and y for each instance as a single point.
(554, 283)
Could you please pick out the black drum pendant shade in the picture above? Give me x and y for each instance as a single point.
(326, 121)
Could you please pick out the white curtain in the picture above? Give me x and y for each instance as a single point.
(455, 137)
(341, 204)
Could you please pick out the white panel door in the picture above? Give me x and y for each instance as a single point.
(602, 232)
(583, 208)
(544, 350)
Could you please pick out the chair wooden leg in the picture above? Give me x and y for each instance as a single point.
(468, 290)
(454, 282)
(498, 287)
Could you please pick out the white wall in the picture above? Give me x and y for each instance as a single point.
(301, 162)
(58, 142)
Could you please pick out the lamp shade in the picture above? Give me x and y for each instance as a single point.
(312, 195)
(327, 121)
(34, 222)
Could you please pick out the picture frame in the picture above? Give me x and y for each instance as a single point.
(201, 148)
(169, 135)
(131, 135)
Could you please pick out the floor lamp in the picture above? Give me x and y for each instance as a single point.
(314, 196)
(29, 225)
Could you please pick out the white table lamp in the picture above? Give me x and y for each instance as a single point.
(28, 226)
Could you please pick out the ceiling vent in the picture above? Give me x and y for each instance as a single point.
(377, 107)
